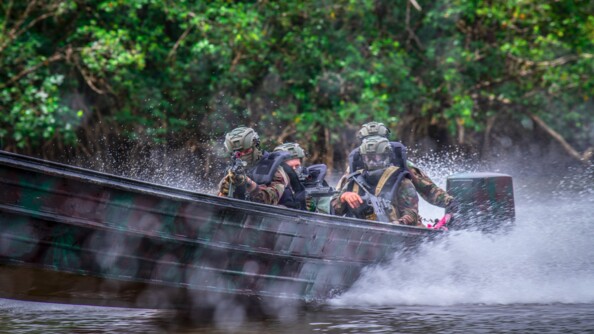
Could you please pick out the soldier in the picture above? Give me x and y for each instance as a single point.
(382, 190)
(256, 175)
(307, 189)
(423, 184)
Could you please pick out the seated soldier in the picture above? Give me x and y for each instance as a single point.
(423, 184)
(256, 175)
(380, 190)
(307, 189)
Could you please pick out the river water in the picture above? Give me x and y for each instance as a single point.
(536, 278)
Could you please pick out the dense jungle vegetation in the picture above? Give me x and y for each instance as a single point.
(81, 78)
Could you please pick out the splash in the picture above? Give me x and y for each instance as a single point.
(438, 167)
(176, 168)
(546, 258)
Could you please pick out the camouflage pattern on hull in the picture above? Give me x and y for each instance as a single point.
(77, 236)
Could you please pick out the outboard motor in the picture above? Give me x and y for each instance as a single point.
(486, 200)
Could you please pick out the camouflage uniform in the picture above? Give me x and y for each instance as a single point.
(263, 193)
(312, 204)
(427, 189)
(405, 204)
(244, 143)
(430, 192)
(423, 184)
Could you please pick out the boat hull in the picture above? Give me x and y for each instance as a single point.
(73, 235)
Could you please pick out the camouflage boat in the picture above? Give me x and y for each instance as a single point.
(72, 235)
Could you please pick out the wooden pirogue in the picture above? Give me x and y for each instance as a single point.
(72, 235)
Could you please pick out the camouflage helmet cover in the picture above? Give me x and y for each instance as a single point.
(376, 153)
(375, 145)
(293, 148)
(373, 129)
(241, 138)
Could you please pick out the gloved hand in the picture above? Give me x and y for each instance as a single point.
(236, 179)
(224, 186)
(352, 199)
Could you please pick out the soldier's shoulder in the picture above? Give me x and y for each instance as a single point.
(415, 170)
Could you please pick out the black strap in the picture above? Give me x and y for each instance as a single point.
(358, 178)
(296, 184)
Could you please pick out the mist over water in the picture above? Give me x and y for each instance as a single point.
(548, 257)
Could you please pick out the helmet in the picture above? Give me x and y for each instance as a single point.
(241, 138)
(293, 148)
(373, 129)
(376, 152)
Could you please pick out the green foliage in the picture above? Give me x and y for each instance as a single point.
(167, 71)
(31, 108)
(36, 115)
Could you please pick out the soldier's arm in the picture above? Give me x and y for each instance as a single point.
(271, 193)
(427, 188)
(407, 203)
(338, 206)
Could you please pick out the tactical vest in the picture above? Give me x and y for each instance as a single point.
(264, 170)
(294, 195)
(386, 187)
(398, 157)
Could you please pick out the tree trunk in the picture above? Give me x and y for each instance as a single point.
(584, 158)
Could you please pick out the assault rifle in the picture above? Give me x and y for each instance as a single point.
(381, 207)
(312, 179)
(237, 168)
(319, 191)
